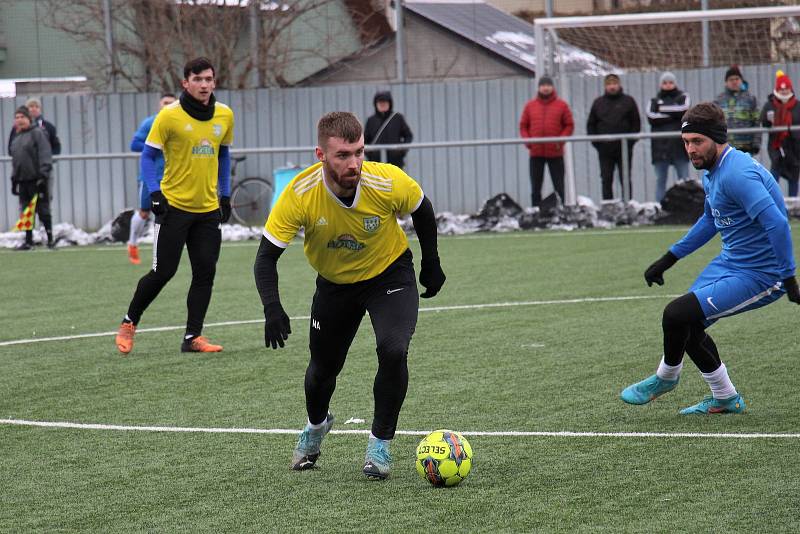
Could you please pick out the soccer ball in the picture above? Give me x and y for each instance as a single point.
(444, 458)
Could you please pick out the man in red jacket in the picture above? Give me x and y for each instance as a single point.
(546, 116)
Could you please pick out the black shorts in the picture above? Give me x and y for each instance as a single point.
(391, 298)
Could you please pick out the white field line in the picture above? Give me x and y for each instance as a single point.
(304, 317)
(510, 433)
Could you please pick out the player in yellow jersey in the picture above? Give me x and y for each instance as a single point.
(349, 208)
(189, 203)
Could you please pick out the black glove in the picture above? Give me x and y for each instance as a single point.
(15, 188)
(41, 187)
(792, 291)
(655, 273)
(431, 277)
(276, 326)
(158, 204)
(225, 208)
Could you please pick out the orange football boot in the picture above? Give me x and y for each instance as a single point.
(133, 254)
(199, 344)
(124, 339)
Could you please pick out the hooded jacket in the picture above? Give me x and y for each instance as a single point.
(546, 116)
(31, 156)
(396, 130)
(664, 115)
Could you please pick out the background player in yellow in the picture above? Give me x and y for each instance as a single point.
(193, 134)
(349, 210)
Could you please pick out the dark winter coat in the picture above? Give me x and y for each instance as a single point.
(50, 130)
(741, 111)
(395, 131)
(788, 148)
(546, 117)
(664, 115)
(31, 159)
(612, 114)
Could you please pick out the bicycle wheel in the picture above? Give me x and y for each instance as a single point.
(250, 201)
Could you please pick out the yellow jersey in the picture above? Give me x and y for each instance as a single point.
(346, 244)
(191, 155)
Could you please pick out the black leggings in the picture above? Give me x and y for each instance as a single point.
(201, 234)
(685, 331)
(392, 301)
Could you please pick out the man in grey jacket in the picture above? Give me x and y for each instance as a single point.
(31, 163)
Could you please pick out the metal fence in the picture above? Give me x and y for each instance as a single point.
(90, 192)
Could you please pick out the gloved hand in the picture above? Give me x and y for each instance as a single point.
(431, 277)
(159, 204)
(41, 187)
(655, 273)
(225, 208)
(792, 291)
(15, 188)
(276, 325)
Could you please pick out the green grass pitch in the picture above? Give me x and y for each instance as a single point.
(555, 363)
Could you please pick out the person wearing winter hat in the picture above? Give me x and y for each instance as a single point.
(614, 112)
(741, 111)
(34, 107)
(386, 127)
(546, 116)
(31, 164)
(781, 109)
(664, 115)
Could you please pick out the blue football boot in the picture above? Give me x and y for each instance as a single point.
(710, 405)
(308, 445)
(647, 390)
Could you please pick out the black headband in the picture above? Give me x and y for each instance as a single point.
(718, 132)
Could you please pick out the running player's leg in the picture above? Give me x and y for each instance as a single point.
(168, 240)
(203, 245)
(393, 306)
(335, 317)
(138, 224)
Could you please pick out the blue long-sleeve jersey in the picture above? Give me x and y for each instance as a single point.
(137, 145)
(745, 205)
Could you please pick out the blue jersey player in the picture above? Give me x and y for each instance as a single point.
(756, 266)
(140, 216)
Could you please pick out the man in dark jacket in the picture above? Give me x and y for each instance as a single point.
(782, 109)
(31, 163)
(546, 116)
(741, 111)
(664, 115)
(386, 127)
(612, 113)
(35, 109)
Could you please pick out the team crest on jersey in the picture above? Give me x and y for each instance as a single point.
(371, 224)
(217, 129)
(346, 241)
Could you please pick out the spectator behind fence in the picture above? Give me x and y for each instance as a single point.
(613, 113)
(387, 127)
(741, 111)
(546, 116)
(34, 106)
(142, 215)
(781, 109)
(31, 164)
(664, 115)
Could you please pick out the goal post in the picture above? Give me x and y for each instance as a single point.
(672, 39)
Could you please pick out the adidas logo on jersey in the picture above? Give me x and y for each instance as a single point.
(188, 128)
(322, 221)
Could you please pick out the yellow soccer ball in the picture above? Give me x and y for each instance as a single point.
(444, 458)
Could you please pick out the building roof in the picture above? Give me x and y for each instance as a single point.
(501, 33)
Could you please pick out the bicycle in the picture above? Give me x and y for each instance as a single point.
(251, 198)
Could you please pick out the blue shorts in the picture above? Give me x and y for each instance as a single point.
(723, 292)
(144, 197)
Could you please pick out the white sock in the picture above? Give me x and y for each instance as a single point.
(720, 383)
(668, 372)
(372, 436)
(137, 225)
(312, 426)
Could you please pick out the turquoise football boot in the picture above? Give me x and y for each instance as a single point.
(308, 445)
(711, 405)
(647, 390)
(378, 460)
